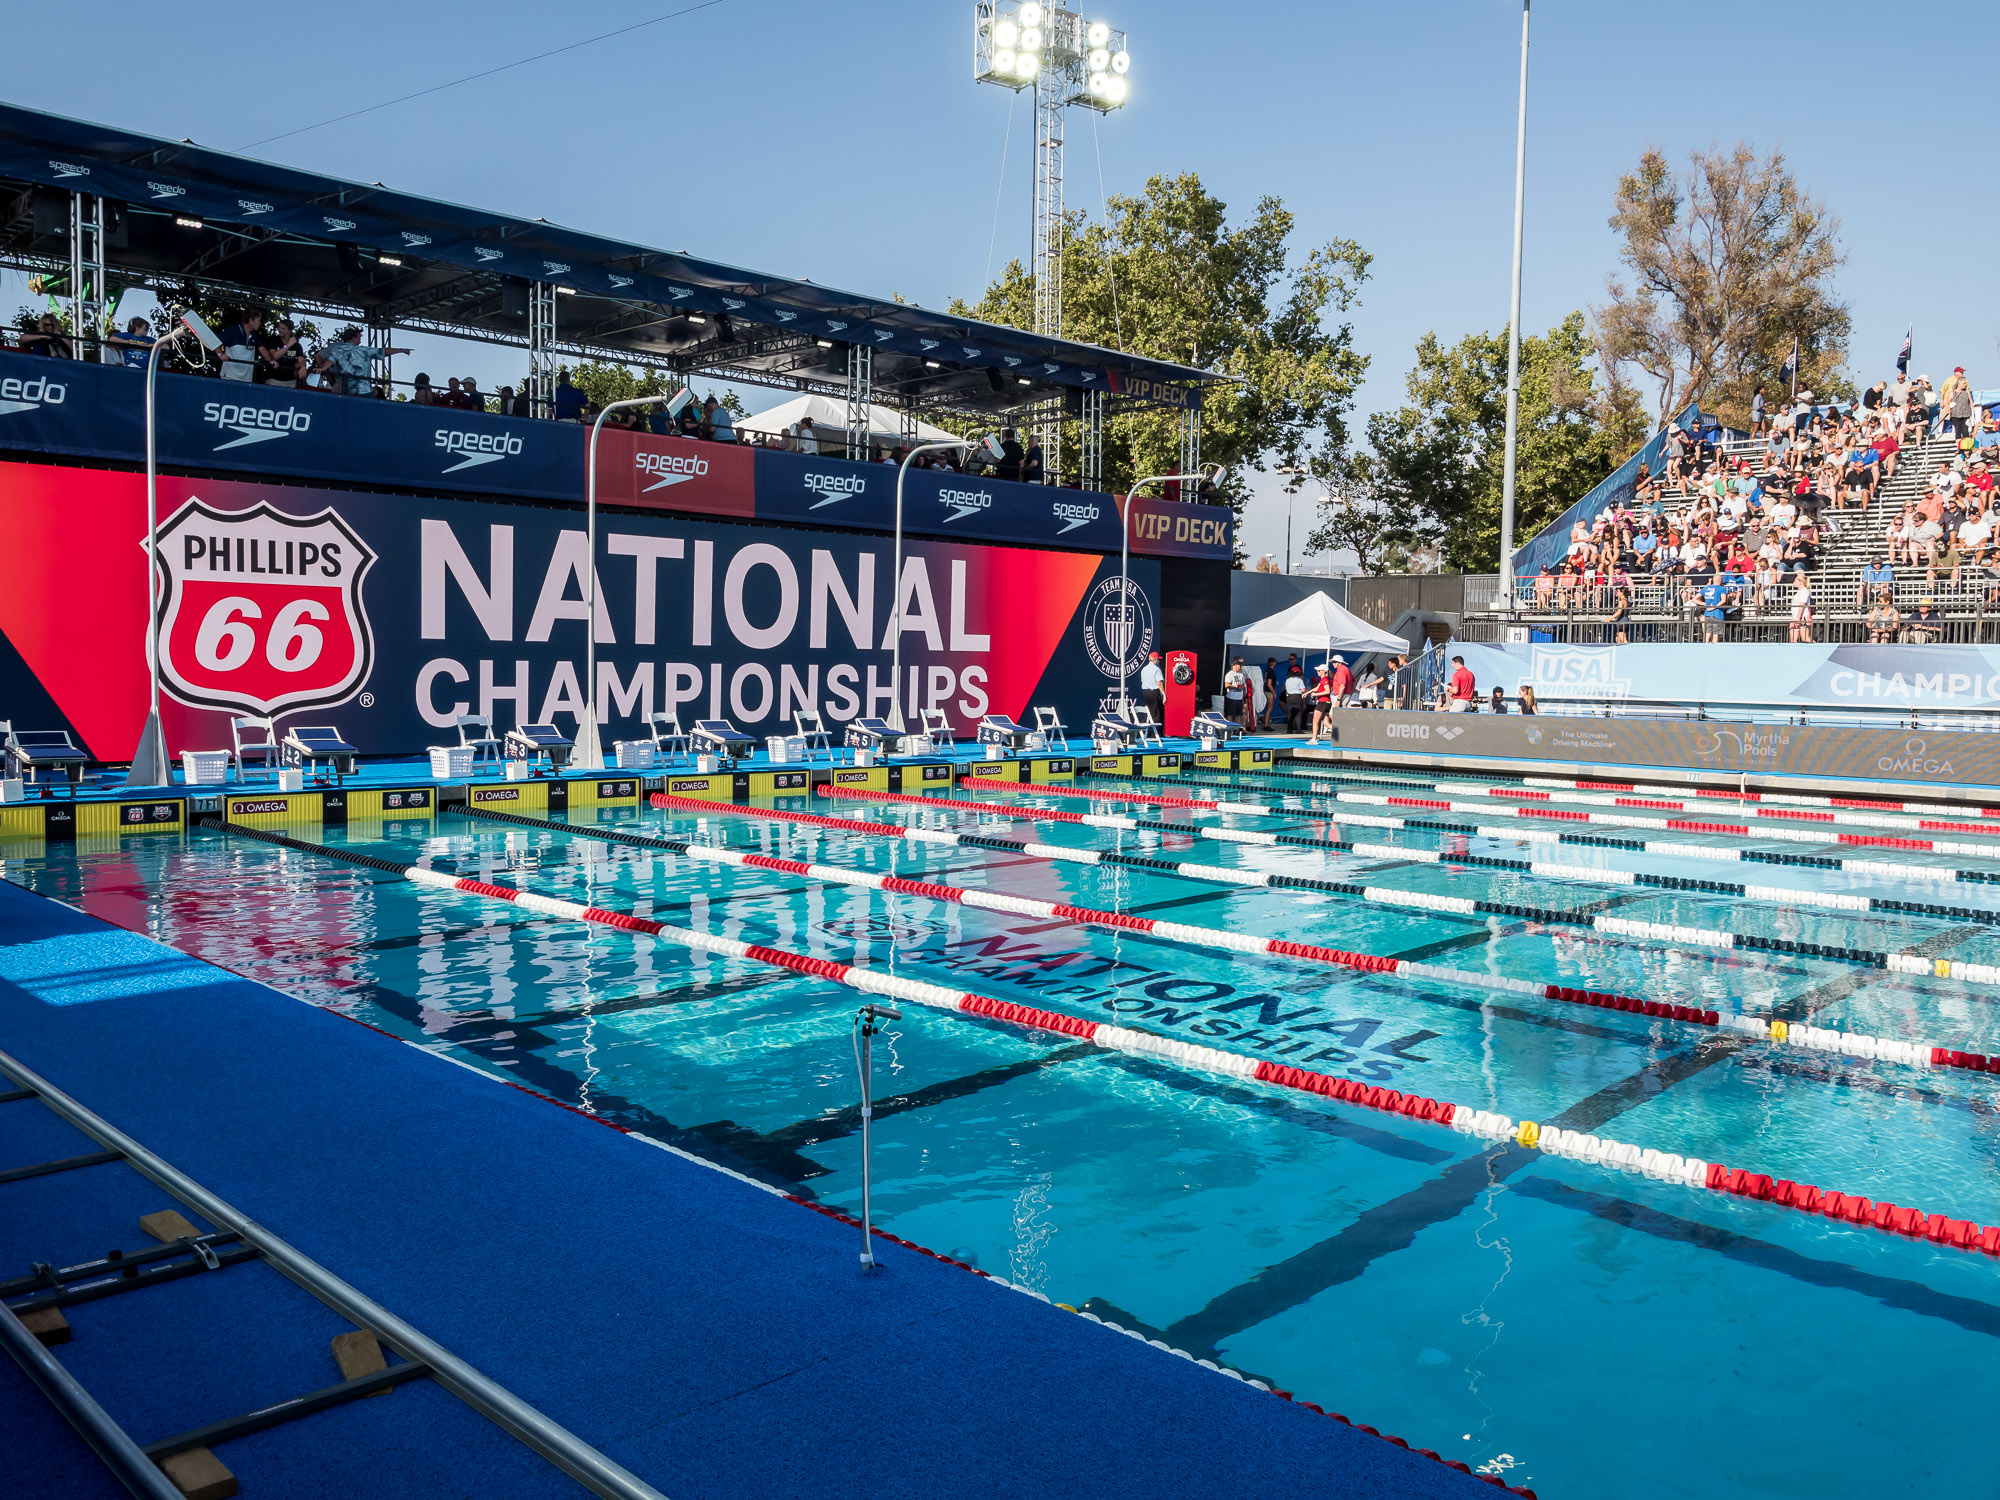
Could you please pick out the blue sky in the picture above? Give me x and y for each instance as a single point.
(848, 143)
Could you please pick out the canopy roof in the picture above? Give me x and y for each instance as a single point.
(1315, 623)
(249, 229)
(830, 418)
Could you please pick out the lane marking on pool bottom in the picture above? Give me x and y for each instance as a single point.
(1463, 906)
(1812, 1038)
(1590, 874)
(1484, 1124)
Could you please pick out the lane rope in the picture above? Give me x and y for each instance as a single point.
(1485, 1125)
(1463, 906)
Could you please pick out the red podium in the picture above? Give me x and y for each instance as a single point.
(1180, 692)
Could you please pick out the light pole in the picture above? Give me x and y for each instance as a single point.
(1290, 497)
(150, 766)
(1514, 338)
(1125, 562)
(867, 1021)
(589, 752)
(993, 451)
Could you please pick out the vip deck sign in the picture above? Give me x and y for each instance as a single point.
(261, 611)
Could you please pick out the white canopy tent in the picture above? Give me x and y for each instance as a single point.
(1315, 623)
(829, 422)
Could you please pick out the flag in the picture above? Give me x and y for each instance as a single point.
(1903, 359)
(1789, 374)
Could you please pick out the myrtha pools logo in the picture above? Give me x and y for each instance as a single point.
(1117, 626)
(260, 611)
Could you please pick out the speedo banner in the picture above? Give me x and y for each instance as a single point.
(96, 411)
(389, 616)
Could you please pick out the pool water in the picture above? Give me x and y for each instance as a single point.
(1580, 1330)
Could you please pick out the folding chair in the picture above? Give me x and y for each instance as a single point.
(722, 739)
(267, 752)
(535, 743)
(669, 739)
(812, 729)
(484, 745)
(1052, 728)
(871, 734)
(307, 745)
(998, 729)
(1142, 720)
(937, 729)
(33, 752)
(1209, 723)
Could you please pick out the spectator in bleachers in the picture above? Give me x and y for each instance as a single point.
(1955, 401)
(721, 425)
(1802, 612)
(351, 363)
(568, 399)
(1926, 626)
(474, 400)
(134, 345)
(281, 358)
(47, 337)
(1876, 577)
(421, 393)
(1884, 620)
(239, 346)
(524, 404)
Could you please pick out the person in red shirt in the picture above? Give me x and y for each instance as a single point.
(1320, 696)
(1341, 684)
(1464, 691)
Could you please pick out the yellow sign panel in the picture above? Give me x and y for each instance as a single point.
(1061, 769)
(717, 788)
(620, 791)
(1112, 765)
(167, 815)
(1257, 757)
(995, 770)
(1160, 765)
(509, 796)
(392, 802)
(1218, 758)
(872, 778)
(274, 809)
(780, 783)
(21, 822)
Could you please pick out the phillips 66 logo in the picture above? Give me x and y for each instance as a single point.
(260, 612)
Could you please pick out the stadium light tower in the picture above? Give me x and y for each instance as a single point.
(1066, 59)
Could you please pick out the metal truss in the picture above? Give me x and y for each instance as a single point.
(860, 395)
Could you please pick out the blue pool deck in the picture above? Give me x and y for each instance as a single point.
(711, 1336)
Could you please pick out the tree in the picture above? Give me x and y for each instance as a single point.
(1366, 511)
(603, 381)
(1728, 265)
(1168, 277)
(1435, 472)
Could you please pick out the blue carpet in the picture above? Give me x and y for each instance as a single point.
(713, 1338)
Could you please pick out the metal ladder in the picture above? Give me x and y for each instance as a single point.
(28, 1302)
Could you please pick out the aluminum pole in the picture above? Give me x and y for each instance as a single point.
(896, 582)
(149, 760)
(1514, 338)
(589, 752)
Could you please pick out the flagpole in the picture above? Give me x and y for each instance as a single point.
(1795, 368)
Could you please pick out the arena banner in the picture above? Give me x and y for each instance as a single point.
(389, 616)
(1937, 761)
(1828, 676)
(97, 411)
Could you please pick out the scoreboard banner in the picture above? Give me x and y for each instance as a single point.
(390, 615)
(95, 411)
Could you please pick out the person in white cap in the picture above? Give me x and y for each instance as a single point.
(1153, 688)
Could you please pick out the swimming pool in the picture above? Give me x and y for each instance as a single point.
(1582, 1330)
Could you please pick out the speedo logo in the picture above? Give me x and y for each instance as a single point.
(832, 488)
(30, 395)
(476, 448)
(254, 424)
(964, 503)
(1073, 516)
(669, 468)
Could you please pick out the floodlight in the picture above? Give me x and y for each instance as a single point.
(1121, 62)
(1004, 33)
(824, 343)
(692, 317)
(193, 322)
(931, 364)
(1099, 33)
(187, 221)
(1100, 84)
(566, 291)
(390, 260)
(1031, 39)
(1115, 90)
(1099, 59)
(1027, 65)
(1031, 14)
(1022, 380)
(1003, 61)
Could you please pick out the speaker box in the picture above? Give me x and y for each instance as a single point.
(514, 299)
